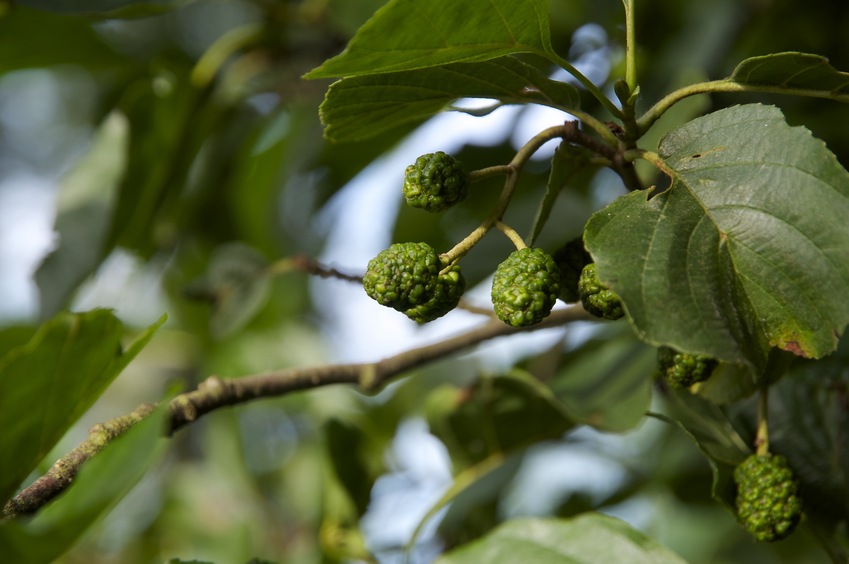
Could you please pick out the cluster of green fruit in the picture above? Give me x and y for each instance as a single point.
(419, 282)
(415, 280)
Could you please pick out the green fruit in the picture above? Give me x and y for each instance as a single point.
(597, 298)
(571, 258)
(683, 370)
(767, 502)
(403, 276)
(406, 277)
(525, 287)
(435, 182)
(446, 296)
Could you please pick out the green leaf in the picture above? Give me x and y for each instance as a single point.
(62, 40)
(477, 487)
(568, 160)
(238, 283)
(107, 9)
(715, 435)
(364, 106)
(345, 448)
(728, 383)
(410, 34)
(15, 336)
(802, 72)
(101, 482)
(496, 416)
(48, 383)
(166, 126)
(747, 249)
(607, 384)
(731, 383)
(588, 538)
(84, 208)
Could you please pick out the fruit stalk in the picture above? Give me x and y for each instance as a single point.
(762, 434)
(512, 170)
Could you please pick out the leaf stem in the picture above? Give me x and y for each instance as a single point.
(630, 46)
(725, 85)
(488, 172)
(762, 435)
(585, 82)
(596, 125)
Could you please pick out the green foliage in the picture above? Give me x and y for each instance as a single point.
(196, 149)
(572, 540)
(606, 383)
(568, 163)
(811, 74)
(495, 417)
(767, 504)
(99, 486)
(66, 40)
(445, 32)
(361, 107)
(86, 200)
(697, 277)
(237, 283)
(50, 381)
(525, 286)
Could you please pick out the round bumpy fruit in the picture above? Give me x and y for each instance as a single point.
(447, 293)
(571, 259)
(767, 502)
(683, 370)
(525, 287)
(407, 277)
(403, 276)
(435, 182)
(597, 298)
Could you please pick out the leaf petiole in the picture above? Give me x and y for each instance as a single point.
(585, 82)
(726, 85)
(630, 46)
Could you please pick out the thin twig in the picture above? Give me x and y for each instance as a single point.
(309, 265)
(215, 393)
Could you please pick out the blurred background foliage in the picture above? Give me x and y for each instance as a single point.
(159, 156)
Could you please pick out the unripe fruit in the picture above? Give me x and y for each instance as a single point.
(767, 502)
(571, 259)
(407, 277)
(525, 287)
(597, 298)
(402, 276)
(683, 370)
(435, 182)
(449, 289)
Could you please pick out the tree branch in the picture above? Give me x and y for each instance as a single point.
(215, 393)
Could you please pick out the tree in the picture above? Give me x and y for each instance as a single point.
(696, 228)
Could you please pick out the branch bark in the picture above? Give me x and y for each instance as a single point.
(215, 393)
